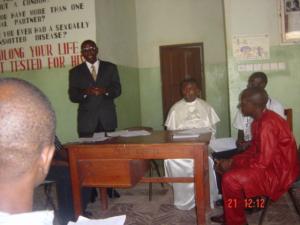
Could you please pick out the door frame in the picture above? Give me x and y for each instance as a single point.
(202, 74)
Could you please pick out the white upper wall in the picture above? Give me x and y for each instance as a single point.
(253, 17)
(165, 22)
(116, 31)
(129, 32)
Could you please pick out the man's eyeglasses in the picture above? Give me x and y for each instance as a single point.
(88, 49)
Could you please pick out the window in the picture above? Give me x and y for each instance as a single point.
(290, 20)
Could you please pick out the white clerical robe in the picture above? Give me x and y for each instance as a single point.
(187, 115)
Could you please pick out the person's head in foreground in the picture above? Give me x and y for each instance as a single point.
(253, 101)
(189, 90)
(27, 126)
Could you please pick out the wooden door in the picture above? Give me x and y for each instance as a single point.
(179, 62)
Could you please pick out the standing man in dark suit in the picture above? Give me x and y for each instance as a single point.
(94, 84)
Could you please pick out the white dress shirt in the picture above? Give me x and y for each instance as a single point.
(96, 65)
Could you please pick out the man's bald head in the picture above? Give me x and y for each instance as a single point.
(253, 100)
(27, 125)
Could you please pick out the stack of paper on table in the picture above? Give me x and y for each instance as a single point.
(128, 133)
(190, 133)
(116, 220)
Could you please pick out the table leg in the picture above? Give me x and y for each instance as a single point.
(103, 198)
(77, 201)
(76, 186)
(199, 176)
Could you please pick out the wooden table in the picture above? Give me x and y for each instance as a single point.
(158, 145)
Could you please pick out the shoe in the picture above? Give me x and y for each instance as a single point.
(88, 214)
(112, 193)
(250, 211)
(256, 206)
(219, 202)
(218, 219)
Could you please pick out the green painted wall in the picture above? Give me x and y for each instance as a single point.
(128, 104)
(151, 98)
(283, 85)
(217, 95)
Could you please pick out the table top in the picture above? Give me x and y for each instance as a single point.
(156, 137)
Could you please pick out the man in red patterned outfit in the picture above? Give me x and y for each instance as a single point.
(267, 168)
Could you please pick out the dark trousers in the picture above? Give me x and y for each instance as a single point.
(61, 175)
(98, 129)
(223, 155)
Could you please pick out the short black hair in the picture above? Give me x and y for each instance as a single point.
(27, 125)
(260, 75)
(87, 42)
(188, 81)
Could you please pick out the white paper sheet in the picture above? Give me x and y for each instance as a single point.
(222, 144)
(135, 133)
(128, 133)
(183, 136)
(116, 133)
(116, 220)
(96, 137)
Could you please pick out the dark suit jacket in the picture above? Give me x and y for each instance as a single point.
(95, 109)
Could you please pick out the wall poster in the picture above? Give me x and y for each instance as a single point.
(252, 47)
(41, 34)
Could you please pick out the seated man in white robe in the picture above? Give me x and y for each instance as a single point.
(188, 113)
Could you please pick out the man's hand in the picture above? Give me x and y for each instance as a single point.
(96, 91)
(223, 165)
(242, 145)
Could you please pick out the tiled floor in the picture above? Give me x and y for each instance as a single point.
(160, 211)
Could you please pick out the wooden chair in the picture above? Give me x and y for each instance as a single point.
(289, 117)
(48, 186)
(296, 185)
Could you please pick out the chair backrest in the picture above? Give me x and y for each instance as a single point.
(289, 117)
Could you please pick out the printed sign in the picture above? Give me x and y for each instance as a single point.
(36, 34)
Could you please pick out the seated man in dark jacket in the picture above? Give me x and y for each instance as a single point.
(59, 172)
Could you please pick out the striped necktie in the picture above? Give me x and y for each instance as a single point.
(94, 73)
